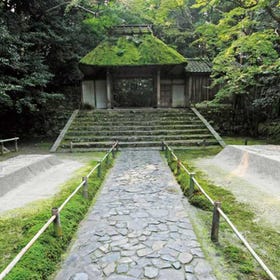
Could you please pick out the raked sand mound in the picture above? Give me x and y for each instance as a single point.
(27, 178)
(252, 174)
(258, 164)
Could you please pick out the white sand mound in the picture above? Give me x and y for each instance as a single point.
(27, 178)
(252, 174)
(258, 164)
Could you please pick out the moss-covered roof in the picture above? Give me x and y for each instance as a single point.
(132, 51)
(199, 65)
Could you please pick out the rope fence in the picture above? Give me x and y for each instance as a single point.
(55, 218)
(217, 211)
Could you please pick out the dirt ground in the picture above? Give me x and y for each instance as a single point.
(263, 196)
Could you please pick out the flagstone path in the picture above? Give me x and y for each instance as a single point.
(138, 228)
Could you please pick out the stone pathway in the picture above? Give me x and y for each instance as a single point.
(138, 228)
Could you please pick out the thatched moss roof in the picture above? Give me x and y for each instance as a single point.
(132, 51)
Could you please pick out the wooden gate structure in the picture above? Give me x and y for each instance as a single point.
(133, 52)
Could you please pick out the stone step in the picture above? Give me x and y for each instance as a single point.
(88, 133)
(138, 138)
(137, 127)
(132, 118)
(173, 143)
(136, 112)
(135, 122)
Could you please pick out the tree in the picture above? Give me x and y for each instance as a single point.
(241, 36)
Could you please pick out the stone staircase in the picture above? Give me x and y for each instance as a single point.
(97, 130)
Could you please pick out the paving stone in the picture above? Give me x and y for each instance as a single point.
(185, 258)
(111, 257)
(125, 260)
(127, 253)
(122, 268)
(144, 252)
(168, 258)
(157, 245)
(135, 272)
(176, 265)
(150, 272)
(80, 276)
(171, 274)
(104, 248)
(161, 263)
(189, 269)
(109, 269)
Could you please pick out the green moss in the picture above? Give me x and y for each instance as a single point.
(134, 51)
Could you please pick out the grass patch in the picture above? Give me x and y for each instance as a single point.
(236, 257)
(20, 226)
(241, 141)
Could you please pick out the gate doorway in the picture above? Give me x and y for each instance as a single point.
(131, 93)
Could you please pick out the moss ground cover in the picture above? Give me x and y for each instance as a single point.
(18, 227)
(237, 259)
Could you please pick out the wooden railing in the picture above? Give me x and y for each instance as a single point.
(55, 218)
(4, 149)
(217, 210)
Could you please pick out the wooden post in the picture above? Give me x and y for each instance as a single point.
(178, 167)
(16, 145)
(56, 223)
(113, 153)
(215, 222)
(162, 145)
(85, 187)
(99, 169)
(107, 159)
(191, 184)
(158, 88)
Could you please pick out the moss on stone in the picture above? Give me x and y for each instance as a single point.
(132, 51)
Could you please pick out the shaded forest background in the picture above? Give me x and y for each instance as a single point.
(41, 43)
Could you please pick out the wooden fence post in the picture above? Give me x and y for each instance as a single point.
(16, 145)
(56, 223)
(107, 159)
(85, 187)
(99, 171)
(178, 167)
(162, 145)
(191, 184)
(215, 222)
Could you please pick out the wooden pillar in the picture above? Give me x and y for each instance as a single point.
(158, 88)
(108, 86)
(190, 90)
(187, 100)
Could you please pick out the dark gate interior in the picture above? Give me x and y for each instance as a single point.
(133, 93)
